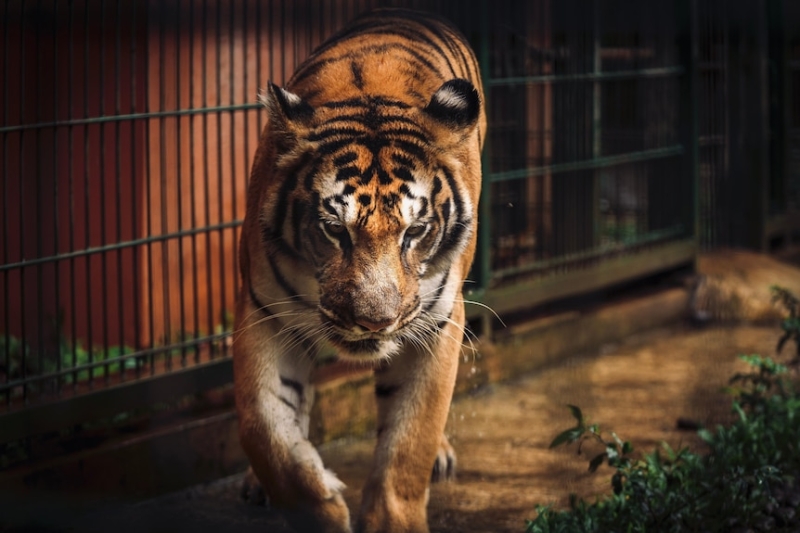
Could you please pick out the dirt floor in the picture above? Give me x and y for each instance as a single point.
(638, 388)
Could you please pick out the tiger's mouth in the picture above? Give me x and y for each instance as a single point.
(363, 346)
(367, 345)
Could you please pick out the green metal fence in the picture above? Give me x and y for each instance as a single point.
(588, 180)
(127, 131)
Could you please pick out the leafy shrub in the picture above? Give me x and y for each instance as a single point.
(746, 482)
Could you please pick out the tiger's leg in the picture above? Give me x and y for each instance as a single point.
(273, 399)
(414, 394)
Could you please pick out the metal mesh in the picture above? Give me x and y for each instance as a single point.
(584, 110)
(127, 130)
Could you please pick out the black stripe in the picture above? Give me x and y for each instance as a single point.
(423, 211)
(298, 214)
(327, 133)
(403, 161)
(437, 188)
(287, 187)
(257, 303)
(385, 391)
(435, 299)
(370, 119)
(400, 131)
(358, 75)
(451, 182)
(345, 173)
(285, 285)
(371, 101)
(406, 191)
(287, 402)
(415, 36)
(446, 214)
(413, 149)
(292, 384)
(274, 241)
(332, 147)
(326, 203)
(453, 233)
(419, 37)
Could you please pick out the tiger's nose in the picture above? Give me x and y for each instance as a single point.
(374, 325)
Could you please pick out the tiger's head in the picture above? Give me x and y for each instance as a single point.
(369, 193)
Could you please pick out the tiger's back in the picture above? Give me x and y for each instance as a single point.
(360, 229)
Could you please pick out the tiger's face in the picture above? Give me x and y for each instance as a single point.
(377, 211)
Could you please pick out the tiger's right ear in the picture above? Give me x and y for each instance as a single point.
(285, 108)
(456, 104)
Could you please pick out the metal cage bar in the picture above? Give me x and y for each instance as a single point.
(127, 130)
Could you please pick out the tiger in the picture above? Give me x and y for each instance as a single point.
(360, 229)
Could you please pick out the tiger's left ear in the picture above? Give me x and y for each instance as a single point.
(456, 104)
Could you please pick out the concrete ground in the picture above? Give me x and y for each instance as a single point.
(638, 388)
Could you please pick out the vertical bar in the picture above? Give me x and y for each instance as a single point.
(206, 178)
(485, 208)
(102, 178)
(148, 189)
(72, 214)
(231, 233)
(6, 223)
(192, 189)
(778, 89)
(24, 343)
(686, 17)
(37, 165)
(135, 229)
(164, 187)
(118, 196)
(87, 197)
(597, 67)
(177, 41)
(60, 316)
(220, 174)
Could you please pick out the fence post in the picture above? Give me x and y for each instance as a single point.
(779, 91)
(749, 127)
(688, 118)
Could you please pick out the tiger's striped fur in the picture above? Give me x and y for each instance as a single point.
(360, 229)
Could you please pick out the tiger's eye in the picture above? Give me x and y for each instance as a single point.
(334, 228)
(416, 230)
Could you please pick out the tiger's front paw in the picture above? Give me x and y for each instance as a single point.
(444, 466)
(328, 516)
(389, 514)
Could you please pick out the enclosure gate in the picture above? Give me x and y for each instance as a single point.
(127, 134)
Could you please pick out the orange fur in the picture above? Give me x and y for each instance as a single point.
(360, 228)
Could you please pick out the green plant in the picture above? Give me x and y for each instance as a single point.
(742, 481)
(791, 324)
